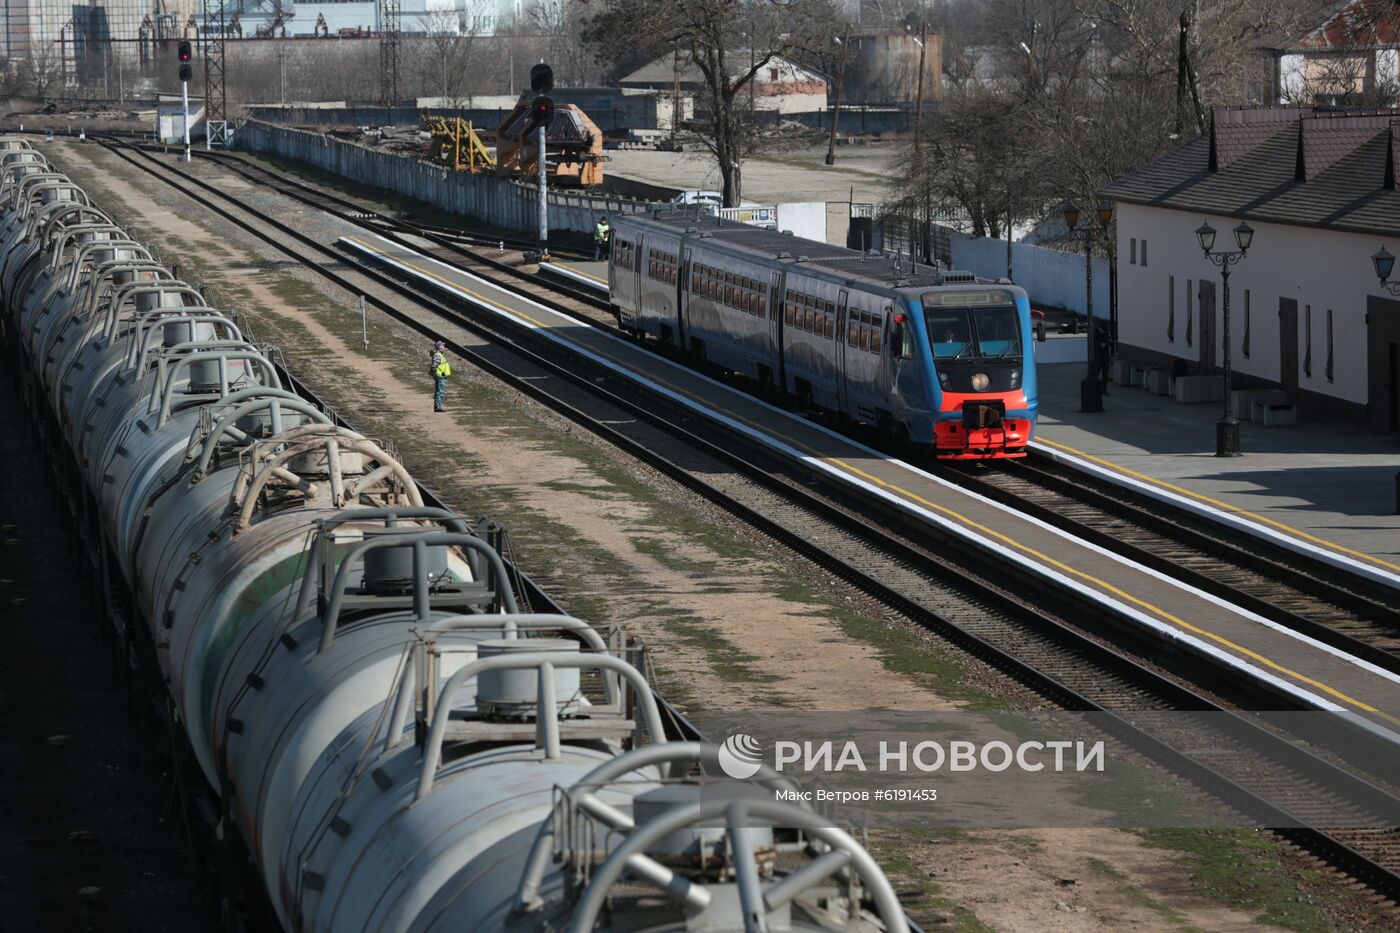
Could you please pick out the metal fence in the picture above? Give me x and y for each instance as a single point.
(500, 202)
(1053, 278)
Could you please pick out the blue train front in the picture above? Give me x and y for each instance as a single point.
(940, 360)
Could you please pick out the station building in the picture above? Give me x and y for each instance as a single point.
(1308, 314)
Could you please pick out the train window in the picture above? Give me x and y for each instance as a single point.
(762, 305)
(830, 326)
(874, 341)
(788, 313)
(853, 333)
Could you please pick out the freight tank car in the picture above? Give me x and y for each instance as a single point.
(938, 359)
(381, 732)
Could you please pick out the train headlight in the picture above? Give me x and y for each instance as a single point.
(943, 378)
(981, 382)
(1015, 379)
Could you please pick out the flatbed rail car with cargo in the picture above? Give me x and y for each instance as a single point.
(937, 359)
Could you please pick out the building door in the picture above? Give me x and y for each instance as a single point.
(1288, 347)
(1383, 364)
(1205, 301)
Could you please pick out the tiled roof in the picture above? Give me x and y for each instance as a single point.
(1315, 169)
(1350, 24)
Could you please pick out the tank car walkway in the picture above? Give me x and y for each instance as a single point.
(1326, 486)
(1314, 675)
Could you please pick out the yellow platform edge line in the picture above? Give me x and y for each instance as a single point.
(1255, 516)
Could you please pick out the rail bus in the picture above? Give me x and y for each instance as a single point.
(938, 359)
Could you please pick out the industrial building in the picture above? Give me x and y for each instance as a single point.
(1308, 315)
(884, 67)
(118, 42)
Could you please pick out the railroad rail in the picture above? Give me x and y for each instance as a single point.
(1357, 616)
(1274, 583)
(1073, 664)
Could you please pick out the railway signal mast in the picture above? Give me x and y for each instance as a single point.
(185, 92)
(541, 116)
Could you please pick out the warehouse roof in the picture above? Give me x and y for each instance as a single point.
(1315, 168)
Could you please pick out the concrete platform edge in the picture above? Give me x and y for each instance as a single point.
(1326, 556)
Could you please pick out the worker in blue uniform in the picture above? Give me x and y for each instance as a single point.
(440, 370)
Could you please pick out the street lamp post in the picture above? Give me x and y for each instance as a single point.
(1091, 389)
(1384, 263)
(1227, 429)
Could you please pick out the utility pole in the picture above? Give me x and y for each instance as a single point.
(675, 92)
(543, 194)
(844, 42)
(919, 99)
(1008, 237)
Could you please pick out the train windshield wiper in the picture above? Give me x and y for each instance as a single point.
(963, 349)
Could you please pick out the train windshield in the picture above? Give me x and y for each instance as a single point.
(972, 333)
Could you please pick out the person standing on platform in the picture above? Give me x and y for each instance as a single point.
(440, 369)
(1103, 356)
(602, 239)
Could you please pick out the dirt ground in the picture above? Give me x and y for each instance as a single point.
(733, 623)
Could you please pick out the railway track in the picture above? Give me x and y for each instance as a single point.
(1346, 612)
(1048, 645)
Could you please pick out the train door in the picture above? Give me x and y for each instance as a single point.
(780, 325)
(778, 316)
(629, 281)
(843, 402)
(683, 300)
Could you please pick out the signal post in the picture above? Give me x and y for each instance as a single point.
(541, 116)
(185, 92)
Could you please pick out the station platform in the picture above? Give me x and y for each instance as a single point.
(1313, 675)
(1326, 485)
(592, 274)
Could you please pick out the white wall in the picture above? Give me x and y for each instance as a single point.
(1322, 268)
(804, 219)
(1050, 277)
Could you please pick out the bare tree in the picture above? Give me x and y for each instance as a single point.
(451, 39)
(561, 23)
(727, 43)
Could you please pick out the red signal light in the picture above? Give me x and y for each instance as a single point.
(184, 51)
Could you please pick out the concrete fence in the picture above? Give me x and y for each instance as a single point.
(1052, 277)
(499, 202)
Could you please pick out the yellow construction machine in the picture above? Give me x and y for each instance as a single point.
(455, 143)
(574, 146)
